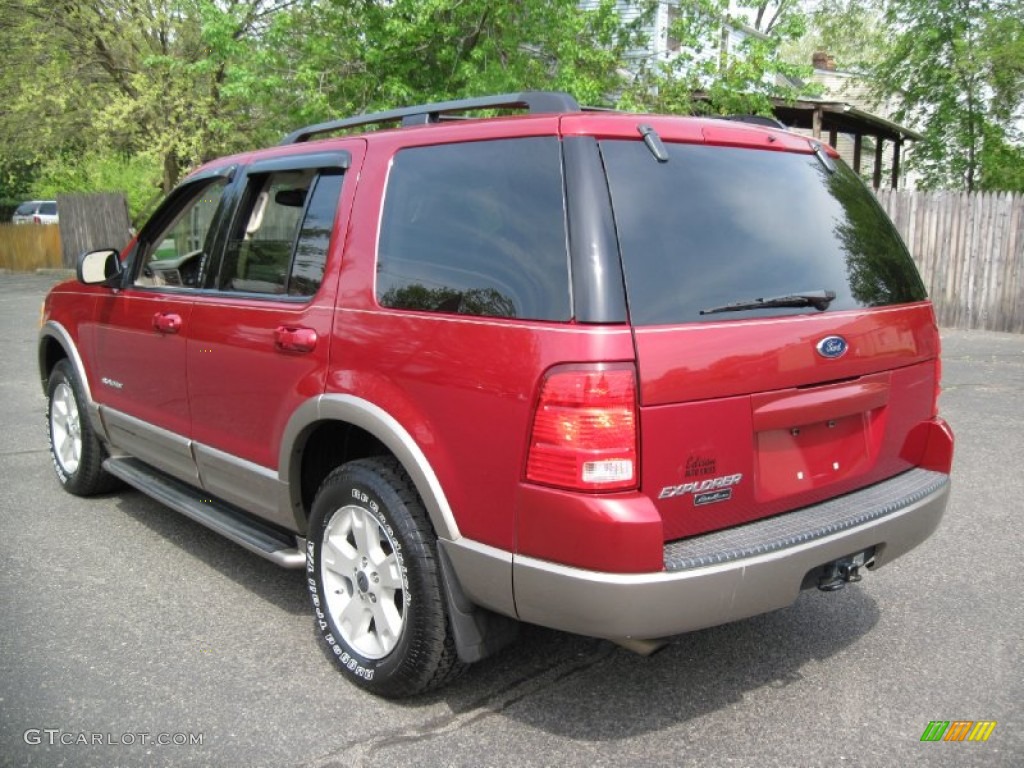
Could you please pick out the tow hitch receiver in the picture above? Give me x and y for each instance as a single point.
(836, 574)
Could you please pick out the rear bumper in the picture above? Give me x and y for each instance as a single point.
(728, 575)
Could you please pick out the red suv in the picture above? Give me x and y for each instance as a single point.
(620, 375)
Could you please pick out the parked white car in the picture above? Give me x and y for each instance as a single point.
(36, 212)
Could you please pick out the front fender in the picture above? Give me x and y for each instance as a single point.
(54, 332)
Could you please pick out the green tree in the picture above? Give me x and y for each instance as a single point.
(135, 176)
(168, 84)
(851, 31)
(770, 15)
(378, 54)
(704, 75)
(956, 69)
(125, 78)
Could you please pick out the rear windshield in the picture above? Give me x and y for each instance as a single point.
(719, 225)
(48, 209)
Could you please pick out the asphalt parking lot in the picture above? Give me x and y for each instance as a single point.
(122, 622)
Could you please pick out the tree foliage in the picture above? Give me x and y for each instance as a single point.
(104, 92)
(94, 171)
(956, 69)
(851, 31)
(126, 78)
(721, 64)
(182, 81)
(369, 55)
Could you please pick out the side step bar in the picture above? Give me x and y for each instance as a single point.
(226, 519)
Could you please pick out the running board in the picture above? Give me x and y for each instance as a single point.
(226, 519)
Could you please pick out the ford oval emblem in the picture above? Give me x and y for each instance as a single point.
(832, 347)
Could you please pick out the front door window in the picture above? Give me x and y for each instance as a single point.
(175, 254)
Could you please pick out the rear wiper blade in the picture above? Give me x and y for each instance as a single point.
(817, 299)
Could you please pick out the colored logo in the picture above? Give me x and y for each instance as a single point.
(958, 730)
(832, 347)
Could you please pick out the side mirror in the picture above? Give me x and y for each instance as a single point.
(102, 267)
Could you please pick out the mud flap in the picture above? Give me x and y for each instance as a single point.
(478, 632)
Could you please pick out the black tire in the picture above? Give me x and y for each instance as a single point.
(75, 449)
(379, 572)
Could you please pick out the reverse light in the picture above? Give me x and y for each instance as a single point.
(584, 434)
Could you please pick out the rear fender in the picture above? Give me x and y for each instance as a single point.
(385, 428)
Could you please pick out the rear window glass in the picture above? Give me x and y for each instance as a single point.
(259, 251)
(478, 229)
(315, 236)
(49, 209)
(279, 241)
(718, 225)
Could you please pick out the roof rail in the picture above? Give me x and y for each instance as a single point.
(769, 122)
(535, 102)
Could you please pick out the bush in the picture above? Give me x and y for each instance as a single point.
(137, 177)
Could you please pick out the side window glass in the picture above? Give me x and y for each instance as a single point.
(477, 229)
(174, 254)
(259, 251)
(311, 250)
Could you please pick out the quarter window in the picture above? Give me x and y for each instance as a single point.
(311, 251)
(477, 229)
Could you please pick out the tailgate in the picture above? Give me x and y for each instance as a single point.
(785, 346)
(742, 420)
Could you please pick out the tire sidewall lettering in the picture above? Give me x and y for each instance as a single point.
(377, 488)
(62, 476)
(356, 666)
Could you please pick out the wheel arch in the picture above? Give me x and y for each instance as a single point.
(362, 429)
(56, 344)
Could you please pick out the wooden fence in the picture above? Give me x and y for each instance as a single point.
(969, 248)
(89, 222)
(27, 247)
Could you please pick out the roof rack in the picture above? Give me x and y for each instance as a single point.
(535, 102)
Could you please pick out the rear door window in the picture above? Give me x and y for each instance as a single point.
(310, 258)
(718, 225)
(278, 244)
(259, 250)
(476, 228)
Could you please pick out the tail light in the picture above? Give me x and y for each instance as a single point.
(938, 386)
(584, 434)
(36, 219)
